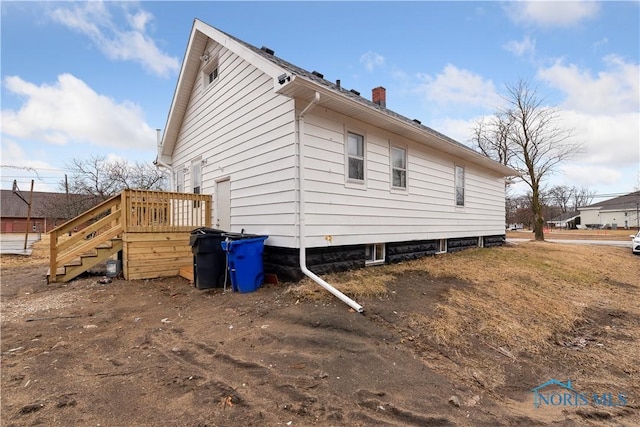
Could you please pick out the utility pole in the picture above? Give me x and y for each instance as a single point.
(18, 193)
(26, 234)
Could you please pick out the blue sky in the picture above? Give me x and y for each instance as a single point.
(88, 78)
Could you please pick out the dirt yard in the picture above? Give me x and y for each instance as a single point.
(444, 344)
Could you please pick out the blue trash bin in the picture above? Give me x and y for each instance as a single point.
(244, 261)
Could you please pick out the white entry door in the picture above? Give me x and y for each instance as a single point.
(222, 208)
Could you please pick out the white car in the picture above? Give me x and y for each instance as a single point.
(635, 243)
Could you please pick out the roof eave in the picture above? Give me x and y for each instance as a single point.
(301, 88)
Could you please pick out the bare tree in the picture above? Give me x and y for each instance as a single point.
(582, 197)
(561, 196)
(536, 145)
(491, 137)
(102, 178)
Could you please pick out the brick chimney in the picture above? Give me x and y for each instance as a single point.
(379, 96)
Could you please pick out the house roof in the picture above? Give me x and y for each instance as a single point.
(302, 84)
(567, 216)
(627, 202)
(42, 203)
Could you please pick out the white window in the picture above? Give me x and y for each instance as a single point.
(355, 157)
(210, 72)
(179, 180)
(374, 254)
(196, 176)
(459, 182)
(196, 180)
(398, 167)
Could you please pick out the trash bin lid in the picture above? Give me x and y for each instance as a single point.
(207, 230)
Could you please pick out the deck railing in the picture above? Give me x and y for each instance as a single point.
(132, 211)
(158, 211)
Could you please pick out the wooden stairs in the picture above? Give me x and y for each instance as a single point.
(72, 253)
(87, 260)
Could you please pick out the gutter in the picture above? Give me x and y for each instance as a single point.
(301, 213)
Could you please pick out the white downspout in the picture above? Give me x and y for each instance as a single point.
(159, 162)
(301, 215)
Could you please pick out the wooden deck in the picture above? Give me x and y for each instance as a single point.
(150, 228)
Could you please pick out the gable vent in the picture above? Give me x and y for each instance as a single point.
(317, 74)
(267, 50)
(355, 92)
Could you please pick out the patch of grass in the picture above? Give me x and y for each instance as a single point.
(355, 284)
(521, 296)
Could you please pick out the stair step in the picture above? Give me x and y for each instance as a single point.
(76, 262)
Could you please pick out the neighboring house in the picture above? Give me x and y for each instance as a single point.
(324, 172)
(620, 212)
(48, 210)
(566, 220)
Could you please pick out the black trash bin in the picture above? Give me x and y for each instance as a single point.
(209, 260)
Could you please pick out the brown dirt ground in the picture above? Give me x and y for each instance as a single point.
(163, 353)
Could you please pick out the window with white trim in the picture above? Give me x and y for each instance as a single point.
(459, 184)
(196, 176)
(196, 180)
(355, 157)
(398, 167)
(179, 179)
(210, 72)
(374, 254)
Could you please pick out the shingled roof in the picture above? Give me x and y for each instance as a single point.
(626, 202)
(294, 69)
(296, 82)
(11, 206)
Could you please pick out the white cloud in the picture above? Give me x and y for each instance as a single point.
(614, 90)
(582, 175)
(71, 112)
(552, 13)
(118, 43)
(455, 86)
(609, 139)
(371, 60)
(524, 47)
(458, 129)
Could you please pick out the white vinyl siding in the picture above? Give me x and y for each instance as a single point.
(244, 131)
(425, 210)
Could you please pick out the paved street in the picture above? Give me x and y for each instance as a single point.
(13, 243)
